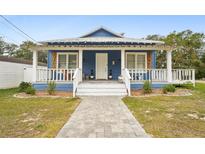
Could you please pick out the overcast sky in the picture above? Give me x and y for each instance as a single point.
(55, 27)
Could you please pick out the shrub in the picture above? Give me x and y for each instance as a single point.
(51, 88)
(168, 88)
(147, 87)
(23, 86)
(31, 90)
(187, 85)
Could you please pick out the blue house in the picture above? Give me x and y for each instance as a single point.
(103, 62)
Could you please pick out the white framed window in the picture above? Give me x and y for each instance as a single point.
(136, 60)
(67, 60)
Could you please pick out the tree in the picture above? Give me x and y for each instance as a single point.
(10, 49)
(186, 44)
(2, 46)
(25, 52)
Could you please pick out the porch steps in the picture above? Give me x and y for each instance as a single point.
(101, 88)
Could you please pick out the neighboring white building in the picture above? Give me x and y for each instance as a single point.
(12, 71)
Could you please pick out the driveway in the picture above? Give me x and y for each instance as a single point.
(102, 116)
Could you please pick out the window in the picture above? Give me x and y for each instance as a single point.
(141, 61)
(67, 60)
(136, 60)
(131, 61)
(62, 61)
(72, 61)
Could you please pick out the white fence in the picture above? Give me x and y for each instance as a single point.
(12, 74)
(160, 75)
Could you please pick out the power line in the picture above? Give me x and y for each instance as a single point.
(12, 28)
(17, 28)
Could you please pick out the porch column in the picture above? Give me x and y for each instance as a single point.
(35, 63)
(122, 60)
(81, 62)
(169, 66)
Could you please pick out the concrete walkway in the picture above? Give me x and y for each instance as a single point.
(102, 116)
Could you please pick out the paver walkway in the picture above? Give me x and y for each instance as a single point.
(102, 116)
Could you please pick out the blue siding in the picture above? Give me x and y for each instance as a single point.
(59, 87)
(49, 59)
(101, 33)
(136, 86)
(154, 59)
(89, 62)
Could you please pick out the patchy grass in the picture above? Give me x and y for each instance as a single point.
(163, 116)
(33, 117)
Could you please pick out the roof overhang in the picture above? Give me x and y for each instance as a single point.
(103, 47)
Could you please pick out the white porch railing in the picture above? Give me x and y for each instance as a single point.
(148, 74)
(50, 74)
(126, 79)
(183, 75)
(77, 78)
(160, 75)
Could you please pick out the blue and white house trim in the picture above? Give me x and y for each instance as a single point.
(105, 55)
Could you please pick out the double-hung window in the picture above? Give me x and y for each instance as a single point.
(136, 60)
(67, 60)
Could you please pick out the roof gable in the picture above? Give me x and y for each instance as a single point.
(102, 32)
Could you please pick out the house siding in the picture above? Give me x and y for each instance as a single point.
(136, 86)
(101, 33)
(89, 63)
(59, 86)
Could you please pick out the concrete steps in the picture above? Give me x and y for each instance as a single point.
(101, 88)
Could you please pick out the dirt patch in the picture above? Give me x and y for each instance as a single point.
(45, 94)
(159, 92)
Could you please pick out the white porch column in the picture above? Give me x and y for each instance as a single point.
(122, 60)
(35, 64)
(81, 62)
(169, 66)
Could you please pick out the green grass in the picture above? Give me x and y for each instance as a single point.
(33, 117)
(163, 116)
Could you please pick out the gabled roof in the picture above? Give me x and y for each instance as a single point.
(111, 39)
(105, 30)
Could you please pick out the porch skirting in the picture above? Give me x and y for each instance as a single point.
(139, 85)
(59, 86)
(69, 86)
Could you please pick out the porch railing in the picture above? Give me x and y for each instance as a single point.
(126, 79)
(160, 75)
(51, 74)
(183, 75)
(77, 78)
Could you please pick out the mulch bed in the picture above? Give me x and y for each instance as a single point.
(158, 92)
(44, 94)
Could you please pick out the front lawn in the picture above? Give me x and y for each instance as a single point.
(33, 117)
(169, 116)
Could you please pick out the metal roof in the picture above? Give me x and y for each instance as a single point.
(87, 40)
(101, 40)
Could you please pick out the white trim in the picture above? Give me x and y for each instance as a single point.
(35, 63)
(96, 70)
(169, 66)
(122, 60)
(67, 54)
(136, 54)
